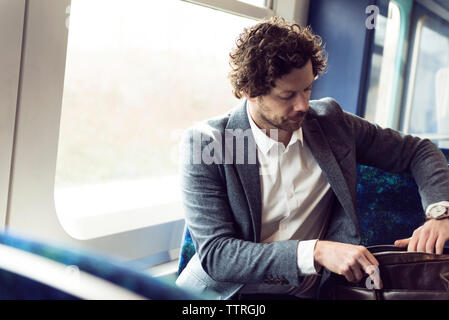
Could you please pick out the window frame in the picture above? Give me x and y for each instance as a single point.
(435, 8)
(407, 118)
(388, 76)
(236, 7)
(413, 70)
(11, 33)
(294, 10)
(389, 115)
(423, 10)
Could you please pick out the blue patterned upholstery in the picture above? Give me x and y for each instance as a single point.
(388, 205)
(16, 286)
(187, 250)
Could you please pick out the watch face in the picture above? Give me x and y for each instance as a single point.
(438, 211)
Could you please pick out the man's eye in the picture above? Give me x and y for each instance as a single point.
(287, 97)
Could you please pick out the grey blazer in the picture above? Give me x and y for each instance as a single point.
(222, 200)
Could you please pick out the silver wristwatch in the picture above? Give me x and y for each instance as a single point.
(438, 213)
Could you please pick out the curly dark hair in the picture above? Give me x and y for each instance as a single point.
(269, 50)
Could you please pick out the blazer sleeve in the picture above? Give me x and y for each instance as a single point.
(224, 255)
(393, 151)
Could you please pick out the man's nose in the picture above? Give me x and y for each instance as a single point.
(301, 103)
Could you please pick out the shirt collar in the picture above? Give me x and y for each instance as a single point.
(264, 142)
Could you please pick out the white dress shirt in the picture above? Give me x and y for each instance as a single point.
(295, 193)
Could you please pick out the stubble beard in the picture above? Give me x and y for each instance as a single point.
(279, 123)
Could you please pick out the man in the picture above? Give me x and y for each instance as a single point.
(285, 222)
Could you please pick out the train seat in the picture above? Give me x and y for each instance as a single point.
(388, 206)
(33, 270)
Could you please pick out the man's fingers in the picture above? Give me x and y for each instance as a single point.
(412, 244)
(370, 266)
(402, 243)
(371, 259)
(365, 259)
(358, 275)
(430, 244)
(349, 275)
(422, 242)
(439, 246)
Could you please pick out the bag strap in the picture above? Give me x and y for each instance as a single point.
(378, 294)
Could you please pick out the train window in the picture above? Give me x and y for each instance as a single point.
(427, 108)
(376, 63)
(138, 73)
(381, 81)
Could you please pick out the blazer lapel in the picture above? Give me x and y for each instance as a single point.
(322, 152)
(248, 172)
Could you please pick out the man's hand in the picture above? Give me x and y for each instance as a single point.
(430, 237)
(349, 260)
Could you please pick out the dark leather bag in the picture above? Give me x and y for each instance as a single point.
(405, 276)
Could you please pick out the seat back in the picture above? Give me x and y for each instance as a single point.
(388, 207)
(31, 269)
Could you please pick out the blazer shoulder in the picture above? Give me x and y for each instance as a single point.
(330, 115)
(210, 127)
(325, 107)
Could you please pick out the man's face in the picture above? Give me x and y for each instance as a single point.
(286, 105)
